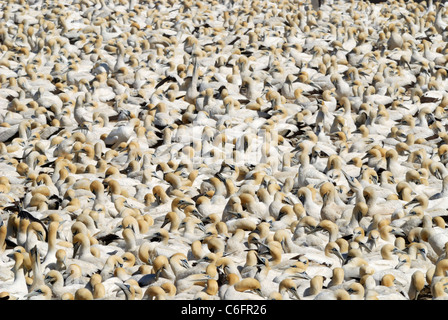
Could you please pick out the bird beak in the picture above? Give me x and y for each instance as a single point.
(409, 203)
(365, 157)
(358, 216)
(396, 251)
(40, 236)
(183, 204)
(423, 255)
(201, 227)
(34, 252)
(260, 261)
(197, 214)
(123, 286)
(302, 275)
(399, 233)
(315, 229)
(438, 175)
(32, 294)
(235, 214)
(339, 255)
(288, 201)
(158, 272)
(116, 229)
(75, 249)
(165, 222)
(295, 293)
(185, 263)
(400, 263)
(258, 291)
(365, 246)
(281, 215)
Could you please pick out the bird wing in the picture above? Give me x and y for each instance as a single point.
(9, 133)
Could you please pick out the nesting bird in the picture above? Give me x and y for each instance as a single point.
(216, 150)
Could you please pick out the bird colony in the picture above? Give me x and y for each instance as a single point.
(223, 149)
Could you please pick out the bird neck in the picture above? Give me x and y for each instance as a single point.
(19, 275)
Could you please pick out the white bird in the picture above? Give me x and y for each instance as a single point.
(122, 133)
(17, 286)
